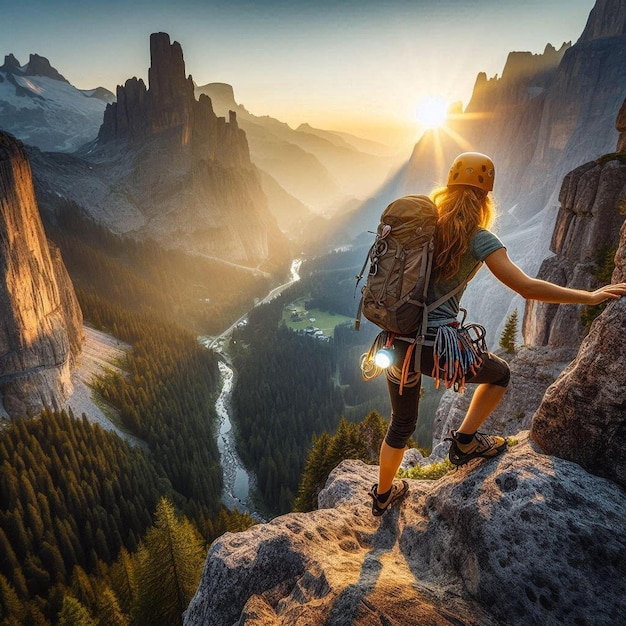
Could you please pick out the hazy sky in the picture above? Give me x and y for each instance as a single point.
(357, 65)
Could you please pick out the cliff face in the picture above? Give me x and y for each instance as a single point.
(572, 110)
(41, 330)
(607, 19)
(570, 122)
(524, 539)
(582, 416)
(587, 223)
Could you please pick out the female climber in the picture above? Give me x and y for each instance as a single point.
(462, 241)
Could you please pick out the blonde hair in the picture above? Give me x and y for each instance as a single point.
(462, 211)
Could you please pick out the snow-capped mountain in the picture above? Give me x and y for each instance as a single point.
(41, 108)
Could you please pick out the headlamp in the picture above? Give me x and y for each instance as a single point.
(384, 358)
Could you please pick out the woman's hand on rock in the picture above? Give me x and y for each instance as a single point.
(608, 292)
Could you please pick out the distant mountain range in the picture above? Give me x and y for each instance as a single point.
(40, 107)
(304, 172)
(325, 170)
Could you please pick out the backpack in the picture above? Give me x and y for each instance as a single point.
(400, 265)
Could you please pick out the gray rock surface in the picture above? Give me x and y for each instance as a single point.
(583, 414)
(40, 320)
(533, 370)
(524, 539)
(607, 19)
(588, 222)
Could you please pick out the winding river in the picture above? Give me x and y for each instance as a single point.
(238, 482)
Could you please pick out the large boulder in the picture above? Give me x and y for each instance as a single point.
(523, 539)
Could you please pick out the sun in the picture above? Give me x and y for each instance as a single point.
(432, 111)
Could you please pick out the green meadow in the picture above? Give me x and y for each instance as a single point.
(297, 317)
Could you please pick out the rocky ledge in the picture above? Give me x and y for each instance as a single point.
(523, 539)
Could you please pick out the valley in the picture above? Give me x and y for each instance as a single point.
(178, 359)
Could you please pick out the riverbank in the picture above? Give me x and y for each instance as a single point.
(238, 482)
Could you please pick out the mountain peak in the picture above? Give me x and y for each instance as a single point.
(40, 66)
(529, 66)
(607, 19)
(222, 97)
(11, 64)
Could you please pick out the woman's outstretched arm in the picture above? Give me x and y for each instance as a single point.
(529, 288)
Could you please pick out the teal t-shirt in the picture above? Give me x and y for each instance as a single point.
(483, 243)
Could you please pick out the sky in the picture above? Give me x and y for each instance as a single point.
(362, 66)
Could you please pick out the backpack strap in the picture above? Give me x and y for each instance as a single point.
(457, 289)
(358, 277)
(420, 339)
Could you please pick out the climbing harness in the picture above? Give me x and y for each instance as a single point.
(458, 353)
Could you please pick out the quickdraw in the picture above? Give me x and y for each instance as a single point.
(458, 353)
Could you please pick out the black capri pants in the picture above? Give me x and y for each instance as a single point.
(493, 370)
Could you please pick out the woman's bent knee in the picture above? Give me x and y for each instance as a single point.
(399, 431)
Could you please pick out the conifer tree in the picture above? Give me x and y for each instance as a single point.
(314, 474)
(10, 604)
(372, 431)
(509, 334)
(73, 613)
(169, 567)
(83, 587)
(108, 609)
(351, 441)
(122, 579)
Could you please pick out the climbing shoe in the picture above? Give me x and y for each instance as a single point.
(398, 490)
(480, 446)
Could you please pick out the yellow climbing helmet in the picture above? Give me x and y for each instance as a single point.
(474, 169)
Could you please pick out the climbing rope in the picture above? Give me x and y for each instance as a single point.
(458, 353)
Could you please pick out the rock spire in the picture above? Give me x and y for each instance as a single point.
(168, 107)
(189, 172)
